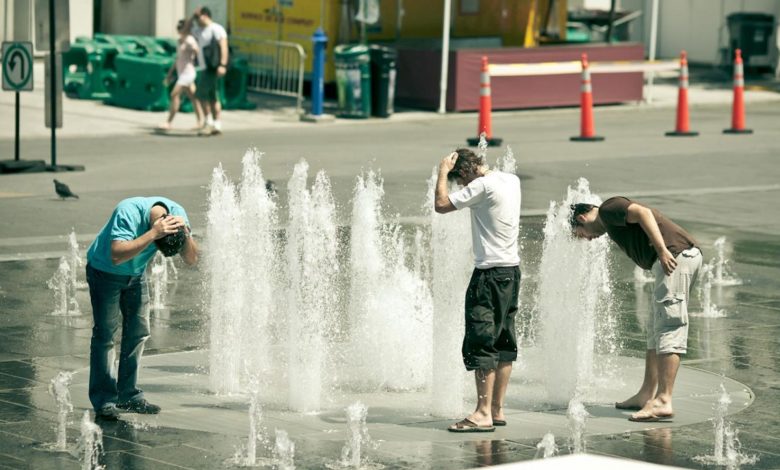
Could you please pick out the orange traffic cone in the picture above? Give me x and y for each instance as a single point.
(587, 130)
(738, 107)
(682, 129)
(485, 105)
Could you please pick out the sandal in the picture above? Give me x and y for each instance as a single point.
(469, 426)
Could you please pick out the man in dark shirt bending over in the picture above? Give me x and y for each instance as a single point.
(653, 242)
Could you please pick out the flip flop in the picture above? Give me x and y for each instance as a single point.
(621, 406)
(469, 426)
(499, 422)
(652, 419)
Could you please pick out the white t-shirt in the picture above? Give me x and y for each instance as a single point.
(494, 200)
(204, 36)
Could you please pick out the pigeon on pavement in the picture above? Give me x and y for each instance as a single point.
(63, 190)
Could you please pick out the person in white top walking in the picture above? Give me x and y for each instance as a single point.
(489, 343)
(212, 65)
(184, 65)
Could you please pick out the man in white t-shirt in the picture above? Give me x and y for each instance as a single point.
(489, 343)
(212, 65)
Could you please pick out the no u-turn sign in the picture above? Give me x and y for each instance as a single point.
(17, 66)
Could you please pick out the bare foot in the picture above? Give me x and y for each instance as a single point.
(637, 402)
(654, 410)
(497, 413)
(166, 126)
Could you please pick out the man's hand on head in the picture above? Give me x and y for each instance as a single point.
(448, 163)
(167, 225)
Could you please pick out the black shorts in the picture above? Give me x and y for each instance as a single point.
(491, 305)
(206, 85)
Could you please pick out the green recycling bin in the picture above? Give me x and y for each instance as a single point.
(233, 92)
(353, 80)
(139, 82)
(383, 61)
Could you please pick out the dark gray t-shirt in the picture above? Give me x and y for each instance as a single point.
(633, 240)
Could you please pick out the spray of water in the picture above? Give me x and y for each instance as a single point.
(284, 451)
(90, 444)
(75, 261)
(575, 303)
(642, 276)
(389, 307)
(222, 257)
(727, 446)
(63, 284)
(451, 268)
(722, 275)
(358, 435)
(546, 448)
(311, 254)
(58, 388)
(507, 162)
(577, 415)
(158, 279)
(709, 309)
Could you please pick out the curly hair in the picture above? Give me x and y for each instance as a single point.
(466, 163)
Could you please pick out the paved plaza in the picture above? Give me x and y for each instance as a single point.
(715, 185)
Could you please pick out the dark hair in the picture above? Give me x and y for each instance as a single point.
(578, 209)
(205, 11)
(467, 162)
(172, 243)
(180, 25)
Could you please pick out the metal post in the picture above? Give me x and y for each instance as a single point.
(651, 52)
(53, 84)
(318, 71)
(445, 56)
(16, 137)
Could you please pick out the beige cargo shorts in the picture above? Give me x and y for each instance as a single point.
(667, 327)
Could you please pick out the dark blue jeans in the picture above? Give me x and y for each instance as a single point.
(116, 297)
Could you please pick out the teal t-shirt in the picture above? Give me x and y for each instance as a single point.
(129, 221)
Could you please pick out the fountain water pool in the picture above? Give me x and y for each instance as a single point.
(316, 311)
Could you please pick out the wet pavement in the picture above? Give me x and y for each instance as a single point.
(713, 187)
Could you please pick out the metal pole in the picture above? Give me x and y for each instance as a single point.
(53, 84)
(651, 52)
(445, 57)
(16, 138)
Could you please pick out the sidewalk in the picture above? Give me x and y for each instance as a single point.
(93, 118)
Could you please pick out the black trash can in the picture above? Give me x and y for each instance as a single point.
(383, 60)
(353, 80)
(750, 32)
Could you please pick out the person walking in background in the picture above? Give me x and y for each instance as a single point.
(116, 261)
(212, 65)
(186, 56)
(656, 243)
(489, 343)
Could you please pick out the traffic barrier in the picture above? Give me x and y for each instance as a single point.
(682, 128)
(587, 127)
(738, 106)
(485, 105)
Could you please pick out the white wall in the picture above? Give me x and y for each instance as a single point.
(696, 26)
(167, 14)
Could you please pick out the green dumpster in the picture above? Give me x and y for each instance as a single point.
(139, 82)
(383, 61)
(353, 80)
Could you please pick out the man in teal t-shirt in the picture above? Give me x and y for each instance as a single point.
(116, 261)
